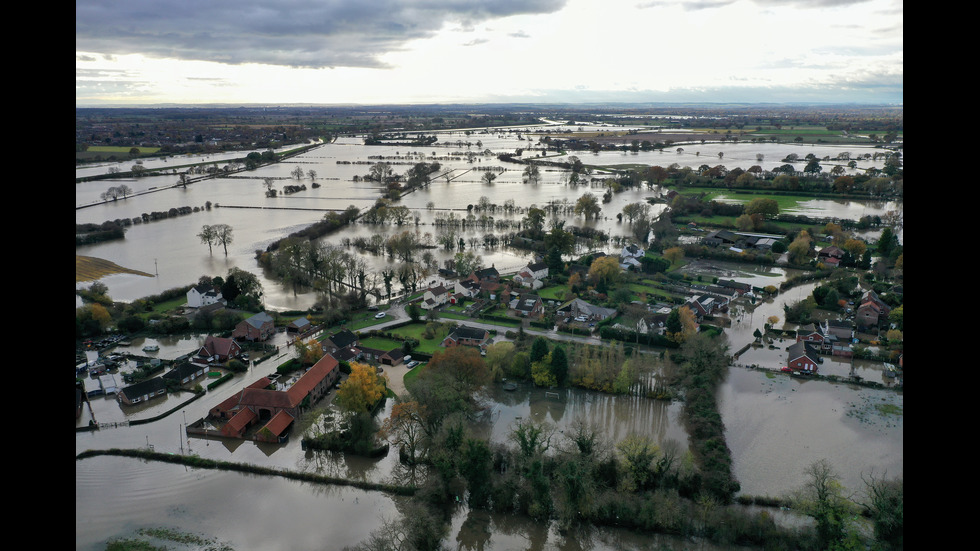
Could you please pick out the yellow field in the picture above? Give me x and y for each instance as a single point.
(88, 268)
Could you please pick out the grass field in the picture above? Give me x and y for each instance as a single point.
(381, 343)
(415, 330)
(88, 268)
(121, 149)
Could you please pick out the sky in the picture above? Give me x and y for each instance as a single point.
(495, 51)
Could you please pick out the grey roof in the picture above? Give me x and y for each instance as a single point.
(343, 339)
(260, 319)
(182, 370)
(801, 349)
(466, 332)
(144, 387)
(591, 309)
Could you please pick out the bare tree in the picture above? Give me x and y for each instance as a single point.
(223, 235)
(209, 236)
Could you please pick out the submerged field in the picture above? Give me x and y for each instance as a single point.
(88, 268)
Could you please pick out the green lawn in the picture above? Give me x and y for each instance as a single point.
(380, 343)
(415, 330)
(551, 292)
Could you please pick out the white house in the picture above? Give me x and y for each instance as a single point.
(202, 295)
(627, 262)
(539, 270)
(527, 279)
(467, 287)
(632, 251)
(434, 297)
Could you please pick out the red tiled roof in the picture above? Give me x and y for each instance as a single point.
(236, 425)
(279, 423)
(311, 378)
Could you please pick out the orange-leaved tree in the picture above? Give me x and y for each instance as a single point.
(362, 389)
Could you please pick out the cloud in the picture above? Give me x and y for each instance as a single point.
(295, 33)
(695, 5)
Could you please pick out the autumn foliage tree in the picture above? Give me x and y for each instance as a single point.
(309, 352)
(362, 389)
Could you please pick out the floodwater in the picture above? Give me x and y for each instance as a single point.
(114, 497)
(775, 425)
(172, 253)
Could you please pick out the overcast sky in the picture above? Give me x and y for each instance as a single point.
(465, 51)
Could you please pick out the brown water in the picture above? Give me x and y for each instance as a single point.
(774, 426)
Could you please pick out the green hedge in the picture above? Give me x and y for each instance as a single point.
(214, 384)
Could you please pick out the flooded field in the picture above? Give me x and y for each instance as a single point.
(775, 425)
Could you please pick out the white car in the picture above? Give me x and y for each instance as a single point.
(580, 318)
(379, 315)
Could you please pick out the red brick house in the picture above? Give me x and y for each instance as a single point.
(803, 357)
(218, 349)
(830, 255)
(467, 336)
(256, 328)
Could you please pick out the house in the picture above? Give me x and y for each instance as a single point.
(725, 294)
(871, 312)
(704, 304)
(830, 255)
(539, 270)
(185, 372)
(339, 340)
(632, 251)
(526, 278)
(629, 262)
(142, 391)
(486, 274)
(802, 357)
(217, 349)
(831, 337)
(653, 324)
(811, 333)
(488, 278)
(527, 305)
(467, 336)
(435, 297)
(467, 288)
(579, 308)
(203, 295)
(740, 288)
(256, 328)
(258, 403)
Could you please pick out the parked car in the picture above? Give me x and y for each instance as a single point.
(379, 315)
(786, 369)
(407, 359)
(580, 318)
(412, 364)
(372, 308)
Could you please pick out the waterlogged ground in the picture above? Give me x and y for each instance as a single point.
(776, 425)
